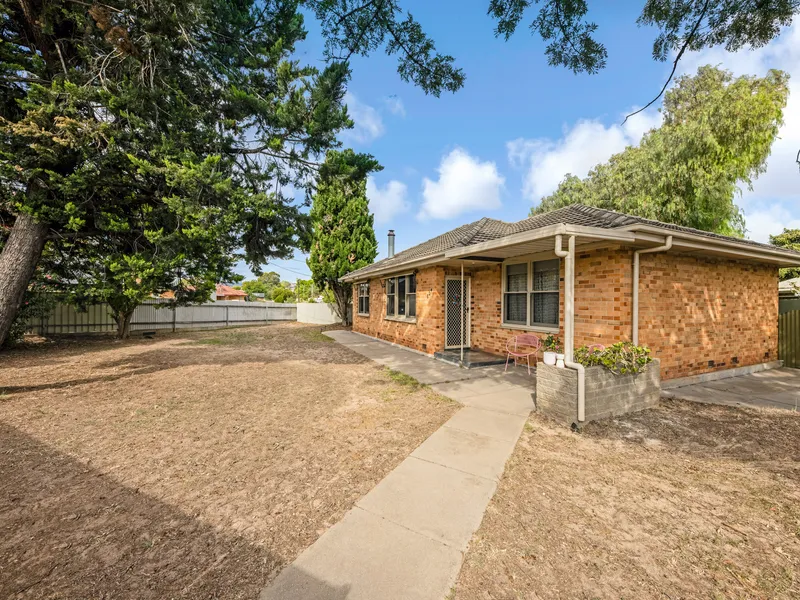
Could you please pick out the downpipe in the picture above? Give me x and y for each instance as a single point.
(635, 316)
(569, 321)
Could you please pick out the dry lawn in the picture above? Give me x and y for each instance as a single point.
(190, 466)
(683, 501)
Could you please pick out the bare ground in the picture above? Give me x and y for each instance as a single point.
(682, 501)
(190, 466)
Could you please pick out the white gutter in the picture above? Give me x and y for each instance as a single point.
(635, 317)
(695, 241)
(569, 321)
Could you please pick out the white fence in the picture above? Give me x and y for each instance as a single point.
(320, 314)
(164, 315)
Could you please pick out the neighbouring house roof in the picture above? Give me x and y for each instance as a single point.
(581, 218)
(790, 287)
(226, 290)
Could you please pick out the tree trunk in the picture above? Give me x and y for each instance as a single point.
(123, 320)
(18, 262)
(342, 293)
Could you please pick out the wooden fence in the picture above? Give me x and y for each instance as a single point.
(163, 315)
(789, 338)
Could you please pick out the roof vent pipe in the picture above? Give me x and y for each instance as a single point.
(391, 243)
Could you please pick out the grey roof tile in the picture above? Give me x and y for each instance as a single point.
(487, 229)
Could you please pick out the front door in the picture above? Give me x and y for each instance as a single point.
(456, 321)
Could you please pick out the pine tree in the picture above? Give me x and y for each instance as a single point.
(343, 236)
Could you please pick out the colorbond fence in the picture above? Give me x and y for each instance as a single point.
(162, 315)
(789, 338)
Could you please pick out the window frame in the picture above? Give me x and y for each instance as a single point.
(363, 299)
(395, 297)
(529, 296)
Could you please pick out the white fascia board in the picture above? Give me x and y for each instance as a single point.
(398, 268)
(700, 242)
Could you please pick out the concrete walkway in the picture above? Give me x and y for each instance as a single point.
(406, 538)
(773, 388)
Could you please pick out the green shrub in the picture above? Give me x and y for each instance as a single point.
(621, 358)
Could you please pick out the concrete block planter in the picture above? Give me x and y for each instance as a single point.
(607, 394)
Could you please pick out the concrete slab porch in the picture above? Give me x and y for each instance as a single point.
(774, 388)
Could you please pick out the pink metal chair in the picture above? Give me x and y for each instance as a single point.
(596, 347)
(523, 346)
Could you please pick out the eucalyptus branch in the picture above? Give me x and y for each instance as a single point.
(683, 49)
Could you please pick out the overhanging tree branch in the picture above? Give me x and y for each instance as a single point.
(684, 46)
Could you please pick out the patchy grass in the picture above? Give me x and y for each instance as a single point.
(313, 334)
(402, 378)
(181, 467)
(681, 501)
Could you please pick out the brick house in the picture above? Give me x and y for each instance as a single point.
(226, 292)
(702, 302)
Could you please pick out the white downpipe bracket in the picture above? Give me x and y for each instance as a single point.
(569, 321)
(635, 316)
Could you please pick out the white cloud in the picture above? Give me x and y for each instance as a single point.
(388, 201)
(774, 201)
(585, 144)
(394, 104)
(765, 219)
(465, 184)
(368, 122)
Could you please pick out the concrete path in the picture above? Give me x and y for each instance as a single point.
(406, 538)
(774, 388)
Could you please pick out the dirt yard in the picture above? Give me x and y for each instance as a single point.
(189, 466)
(683, 501)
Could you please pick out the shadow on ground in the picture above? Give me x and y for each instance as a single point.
(769, 438)
(263, 345)
(68, 531)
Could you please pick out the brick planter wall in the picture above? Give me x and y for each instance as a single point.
(607, 395)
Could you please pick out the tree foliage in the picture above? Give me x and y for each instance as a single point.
(716, 136)
(343, 238)
(304, 290)
(152, 142)
(681, 25)
(790, 238)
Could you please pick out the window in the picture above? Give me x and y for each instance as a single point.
(391, 296)
(401, 296)
(531, 294)
(363, 298)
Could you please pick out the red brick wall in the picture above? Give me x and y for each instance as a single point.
(693, 310)
(427, 334)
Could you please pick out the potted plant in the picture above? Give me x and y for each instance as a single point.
(552, 348)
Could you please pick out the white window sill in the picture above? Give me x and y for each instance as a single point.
(535, 328)
(362, 314)
(400, 319)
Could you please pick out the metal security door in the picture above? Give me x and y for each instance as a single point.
(452, 312)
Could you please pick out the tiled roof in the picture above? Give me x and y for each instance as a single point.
(226, 290)
(486, 229)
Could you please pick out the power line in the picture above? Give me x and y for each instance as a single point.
(290, 270)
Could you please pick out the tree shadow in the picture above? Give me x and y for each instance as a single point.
(70, 531)
(175, 351)
(770, 439)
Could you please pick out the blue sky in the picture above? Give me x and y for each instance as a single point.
(518, 125)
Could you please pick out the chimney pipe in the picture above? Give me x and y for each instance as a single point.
(391, 243)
